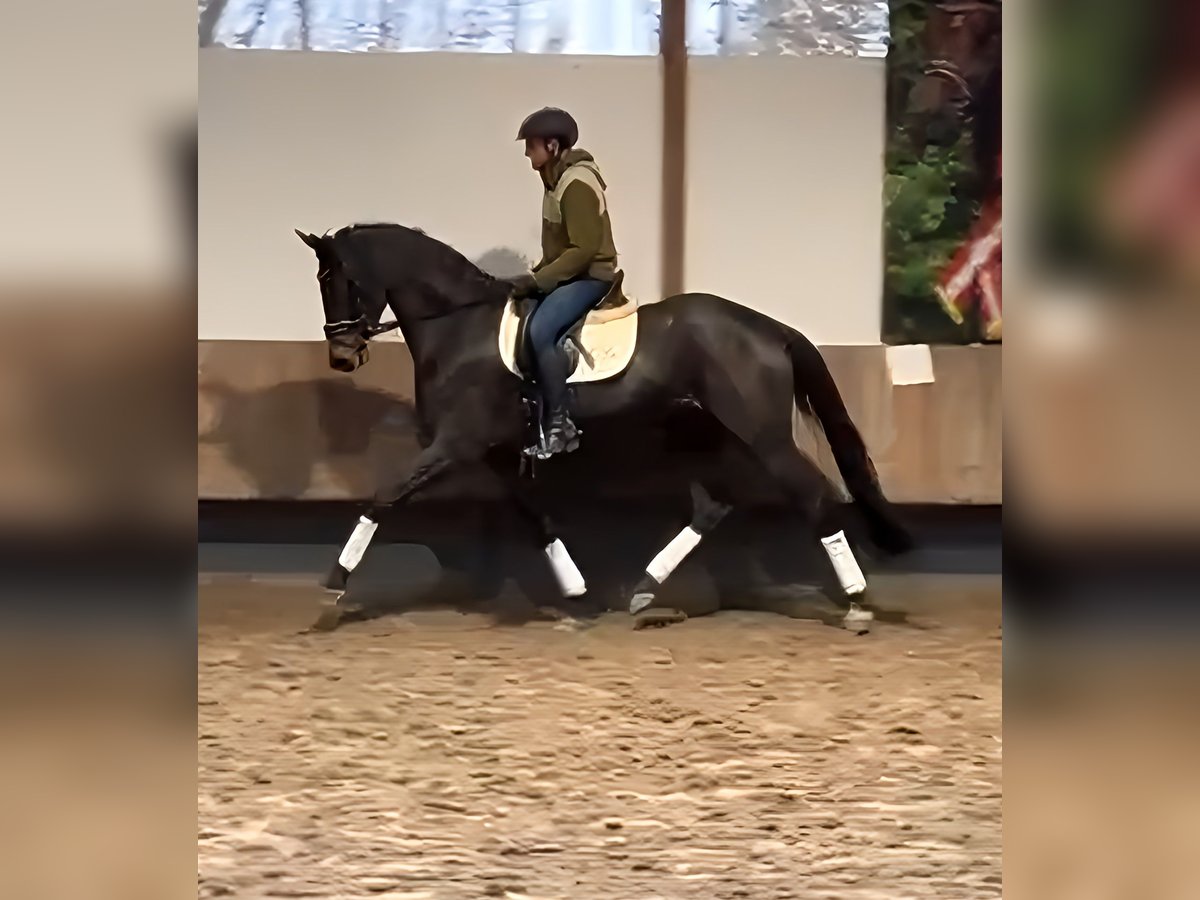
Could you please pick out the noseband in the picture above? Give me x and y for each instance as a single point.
(361, 327)
(346, 326)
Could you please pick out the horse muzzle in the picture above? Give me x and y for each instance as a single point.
(343, 358)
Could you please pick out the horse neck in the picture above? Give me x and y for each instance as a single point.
(441, 345)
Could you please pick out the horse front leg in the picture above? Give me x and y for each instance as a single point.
(432, 463)
(567, 577)
(707, 513)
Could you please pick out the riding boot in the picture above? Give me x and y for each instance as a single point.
(535, 431)
(562, 436)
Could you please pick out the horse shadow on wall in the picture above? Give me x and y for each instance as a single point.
(502, 262)
(323, 437)
(314, 439)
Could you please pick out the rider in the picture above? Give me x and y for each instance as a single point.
(579, 259)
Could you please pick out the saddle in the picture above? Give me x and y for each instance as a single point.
(598, 346)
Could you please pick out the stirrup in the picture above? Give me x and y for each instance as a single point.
(563, 437)
(538, 447)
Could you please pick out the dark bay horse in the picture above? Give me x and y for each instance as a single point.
(743, 369)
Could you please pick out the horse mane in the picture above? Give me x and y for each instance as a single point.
(430, 247)
(370, 225)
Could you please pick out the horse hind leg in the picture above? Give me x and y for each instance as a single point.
(852, 580)
(809, 493)
(801, 478)
(763, 432)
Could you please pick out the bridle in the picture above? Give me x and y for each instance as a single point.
(362, 326)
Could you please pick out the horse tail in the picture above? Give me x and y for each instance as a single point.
(815, 385)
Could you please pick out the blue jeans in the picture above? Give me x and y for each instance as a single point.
(553, 318)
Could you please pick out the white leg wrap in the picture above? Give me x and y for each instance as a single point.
(570, 579)
(353, 552)
(844, 564)
(673, 554)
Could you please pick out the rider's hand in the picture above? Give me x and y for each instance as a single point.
(522, 285)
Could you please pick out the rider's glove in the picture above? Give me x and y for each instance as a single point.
(522, 285)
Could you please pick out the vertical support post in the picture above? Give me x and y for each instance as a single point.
(207, 25)
(304, 20)
(673, 49)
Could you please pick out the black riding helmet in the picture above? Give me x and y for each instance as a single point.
(550, 123)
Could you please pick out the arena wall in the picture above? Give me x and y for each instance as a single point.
(784, 166)
(277, 423)
(784, 214)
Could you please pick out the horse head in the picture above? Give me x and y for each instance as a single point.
(363, 268)
(962, 48)
(347, 320)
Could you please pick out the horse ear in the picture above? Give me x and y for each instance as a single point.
(311, 239)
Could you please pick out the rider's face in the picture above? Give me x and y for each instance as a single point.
(538, 152)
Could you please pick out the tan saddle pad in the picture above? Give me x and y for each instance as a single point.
(608, 335)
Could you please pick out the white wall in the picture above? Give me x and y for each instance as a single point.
(785, 198)
(320, 140)
(89, 177)
(785, 163)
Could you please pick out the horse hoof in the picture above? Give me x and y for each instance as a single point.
(639, 602)
(337, 612)
(563, 621)
(659, 618)
(554, 614)
(336, 579)
(858, 620)
(329, 619)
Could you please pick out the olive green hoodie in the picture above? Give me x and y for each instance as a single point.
(576, 232)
